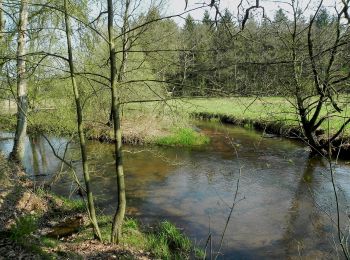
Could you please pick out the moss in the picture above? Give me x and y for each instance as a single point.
(183, 137)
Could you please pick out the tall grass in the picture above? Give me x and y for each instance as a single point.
(183, 137)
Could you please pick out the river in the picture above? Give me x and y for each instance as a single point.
(285, 204)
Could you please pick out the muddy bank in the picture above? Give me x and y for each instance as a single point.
(278, 128)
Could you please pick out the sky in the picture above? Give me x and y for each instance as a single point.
(177, 6)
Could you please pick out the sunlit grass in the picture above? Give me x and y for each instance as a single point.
(183, 137)
(265, 109)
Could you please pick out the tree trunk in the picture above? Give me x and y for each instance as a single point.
(22, 100)
(124, 61)
(120, 212)
(91, 206)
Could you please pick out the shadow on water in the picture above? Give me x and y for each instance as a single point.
(282, 190)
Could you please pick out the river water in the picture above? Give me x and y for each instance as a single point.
(285, 205)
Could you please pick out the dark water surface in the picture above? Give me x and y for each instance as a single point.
(285, 197)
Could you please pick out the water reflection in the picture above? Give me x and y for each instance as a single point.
(39, 161)
(277, 216)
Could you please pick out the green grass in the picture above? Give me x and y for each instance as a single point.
(155, 122)
(264, 109)
(23, 228)
(167, 242)
(183, 137)
(164, 241)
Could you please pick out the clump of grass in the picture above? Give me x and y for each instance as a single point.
(24, 226)
(131, 224)
(184, 137)
(169, 242)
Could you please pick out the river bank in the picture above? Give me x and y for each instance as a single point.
(36, 223)
(142, 129)
(270, 115)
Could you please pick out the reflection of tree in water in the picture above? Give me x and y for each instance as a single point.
(307, 226)
(39, 158)
(42, 151)
(35, 159)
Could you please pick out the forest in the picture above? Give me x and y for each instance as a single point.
(132, 129)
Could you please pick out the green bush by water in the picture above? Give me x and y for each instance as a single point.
(184, 137)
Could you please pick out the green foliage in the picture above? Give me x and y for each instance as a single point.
(183, 137)
(323, 18)
(24, 226)
(60, 122)
(7, 122)
(169, 243)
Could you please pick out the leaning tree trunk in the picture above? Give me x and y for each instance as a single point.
(120, 212)
(91, 207)
(22, 100)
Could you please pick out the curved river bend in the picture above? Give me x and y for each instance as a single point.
(285, 199)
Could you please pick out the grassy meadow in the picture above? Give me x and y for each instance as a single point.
(264, 109)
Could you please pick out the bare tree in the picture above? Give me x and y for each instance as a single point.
(120, 212)
(91, 207)
(323, 72)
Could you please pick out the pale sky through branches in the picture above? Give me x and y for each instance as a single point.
(177, 6)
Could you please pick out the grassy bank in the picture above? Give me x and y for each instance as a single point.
(277, 110)
(141, 125)
(38, 224)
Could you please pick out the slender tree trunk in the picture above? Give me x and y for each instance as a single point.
(91, 207)
(120, 212)
(124, 61)
(22, 100)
